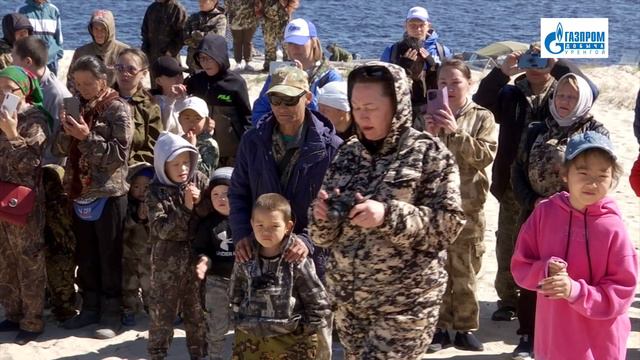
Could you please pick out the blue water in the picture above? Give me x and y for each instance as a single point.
(366, 27)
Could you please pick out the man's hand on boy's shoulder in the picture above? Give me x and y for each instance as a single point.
(294, 254)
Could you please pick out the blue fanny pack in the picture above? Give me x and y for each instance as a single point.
(89, 209)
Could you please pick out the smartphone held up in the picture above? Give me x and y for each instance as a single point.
(10, 103)
(72, 107)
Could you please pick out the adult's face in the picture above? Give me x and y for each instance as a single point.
(99, 32)
(129, 72)
(456, 83)
(372, 110)
(21, 34)
(302, 53)
(417, 28)
(340, 119)
(8, 86)
(291, 115)
(565, 99)
(88, 85)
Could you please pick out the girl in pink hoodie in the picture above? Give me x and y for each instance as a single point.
(574, 251)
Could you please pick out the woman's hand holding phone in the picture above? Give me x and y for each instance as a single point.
(76, 128)
(9, 123)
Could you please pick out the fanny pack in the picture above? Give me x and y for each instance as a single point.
(89, 209)
(16, 203)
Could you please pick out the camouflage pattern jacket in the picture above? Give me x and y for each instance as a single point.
(5, 54)
(104, 153)
(271, 297)
(21, 158)
(474, 146)
(169, 219)
(148, 125)
(275, 12)
(162, 29)
(416, 177)
(242, 14)
(202, 23)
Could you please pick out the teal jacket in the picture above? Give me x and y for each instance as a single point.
(45, 19)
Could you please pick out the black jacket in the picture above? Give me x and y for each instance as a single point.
(213, 240)
(509, 107)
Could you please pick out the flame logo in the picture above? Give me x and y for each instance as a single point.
(559, 32)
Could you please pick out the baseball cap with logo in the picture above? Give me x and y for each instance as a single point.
(579, 143)
(299, 31)
(289, 80)
(418, 12)
(193, 103)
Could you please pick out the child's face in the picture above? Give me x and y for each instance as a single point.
(208, 64)
(207, 5)
(166, 82)
(589, 179)
(219, 199)
(178, 169)
(269, 227)
(191, 121)
(139, 187)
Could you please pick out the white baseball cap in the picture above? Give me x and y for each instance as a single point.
(194, 103)
(299, 31)
(418, 12)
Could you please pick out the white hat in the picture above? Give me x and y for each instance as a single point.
(299, 31)
(194, 103)
(334, 94)
(418, 12)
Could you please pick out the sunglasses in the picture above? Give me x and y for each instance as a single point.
(129, 69)
(279, 100)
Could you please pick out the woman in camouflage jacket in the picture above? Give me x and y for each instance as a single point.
(385, 273)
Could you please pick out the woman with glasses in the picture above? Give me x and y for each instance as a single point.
(388, 209)
(97, 145)
(103, 45)
(131, 69)
(23, 135)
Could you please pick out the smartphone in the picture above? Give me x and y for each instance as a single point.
(437, 99)
(532, 61)
(72, 107)
(10, 102)
(275, 65)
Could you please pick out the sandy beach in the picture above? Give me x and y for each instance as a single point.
(614, 108)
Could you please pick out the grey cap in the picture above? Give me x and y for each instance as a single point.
(221, 176)
(585, 141)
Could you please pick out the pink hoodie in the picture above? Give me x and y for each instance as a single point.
(593, 323)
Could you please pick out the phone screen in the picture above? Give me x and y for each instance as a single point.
(72, 107)
(10, 102)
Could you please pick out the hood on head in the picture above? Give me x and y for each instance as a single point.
(142, 168)
(167, 147)
(585, 100)
(104, 17)
(216, 47)
(12, 23)
(602, 207)
(402, 119)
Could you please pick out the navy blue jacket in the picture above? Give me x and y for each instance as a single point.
(256, 173)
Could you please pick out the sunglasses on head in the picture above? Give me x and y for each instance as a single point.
(286, 100)
(376, 71)
(129, 69)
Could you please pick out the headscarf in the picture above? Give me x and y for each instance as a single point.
(334, 94)
(29, 85)
(585, 100)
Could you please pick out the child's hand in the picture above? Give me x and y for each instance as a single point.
(143, 211)
(177, 91)
(191, 196)
(556, 287)
(201, 268)
(557, 268)
(195, 192)
(191, 137)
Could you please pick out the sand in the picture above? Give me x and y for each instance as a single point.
(614, 108)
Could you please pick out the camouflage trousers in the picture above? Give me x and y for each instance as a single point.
(459, 309)
(402, 335)
(22, 273)
(273, 33)
(136, 274)
(283, 347)
(506, 235)
(218, 314)
(175, 285)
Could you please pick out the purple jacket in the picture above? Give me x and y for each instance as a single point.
(256, 173)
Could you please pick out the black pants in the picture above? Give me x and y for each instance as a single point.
(99, 254)
(242, 44)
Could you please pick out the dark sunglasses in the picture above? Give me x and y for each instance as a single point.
(375, 71)
(129, 69)
(278, 99)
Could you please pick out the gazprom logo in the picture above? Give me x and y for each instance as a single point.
(574, 37)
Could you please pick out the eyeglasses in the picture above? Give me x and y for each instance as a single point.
(202, 58)
(10, 90)
(284, 100)
(129, 69)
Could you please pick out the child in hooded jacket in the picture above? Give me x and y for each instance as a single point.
(574, 251)
(173, 195)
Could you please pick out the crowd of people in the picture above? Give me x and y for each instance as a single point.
(329, 209)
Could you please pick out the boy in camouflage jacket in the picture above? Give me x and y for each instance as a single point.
(210, 19)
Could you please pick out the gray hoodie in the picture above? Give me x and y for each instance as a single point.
(166, 149)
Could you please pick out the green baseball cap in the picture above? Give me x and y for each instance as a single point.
(289, 80)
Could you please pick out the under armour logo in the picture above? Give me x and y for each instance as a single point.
(226, 241)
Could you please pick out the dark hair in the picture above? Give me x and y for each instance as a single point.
(616, 168)
(144, 60)
(457, 65)
(34, 48)
(91, 64)
(274, 202)
(374, 74)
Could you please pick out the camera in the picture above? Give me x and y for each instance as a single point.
(339, 206)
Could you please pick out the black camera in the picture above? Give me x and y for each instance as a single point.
(339, 206)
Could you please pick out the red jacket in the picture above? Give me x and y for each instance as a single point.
(634, 178)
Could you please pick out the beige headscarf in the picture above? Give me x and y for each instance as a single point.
(585, 100)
